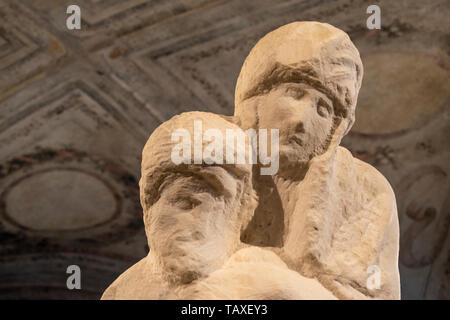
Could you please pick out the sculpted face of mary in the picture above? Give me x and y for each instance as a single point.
(302, 79)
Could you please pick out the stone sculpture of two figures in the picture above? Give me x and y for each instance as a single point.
(319, 226)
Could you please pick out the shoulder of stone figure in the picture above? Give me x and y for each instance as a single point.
(116, 289)
(374, 192)
(379, 209)
(137, 283)
(367, 176)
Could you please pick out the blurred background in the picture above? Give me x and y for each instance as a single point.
(77, 106)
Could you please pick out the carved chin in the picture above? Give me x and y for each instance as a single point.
(299, 152)
(182, 263)
(178, 274)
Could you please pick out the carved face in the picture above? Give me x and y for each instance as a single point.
(194, 225)
(303, 115)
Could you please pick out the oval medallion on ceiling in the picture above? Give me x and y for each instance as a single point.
(60, 200)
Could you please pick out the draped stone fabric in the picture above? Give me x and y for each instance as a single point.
(345, 221)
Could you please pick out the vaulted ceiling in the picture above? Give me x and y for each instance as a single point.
(76, 107)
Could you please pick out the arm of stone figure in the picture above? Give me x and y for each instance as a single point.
(345, 222)
(365, 247)
(255, 273)
(381, 240)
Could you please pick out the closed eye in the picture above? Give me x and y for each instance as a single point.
(295, 92)
(323, 108)
(186, 203)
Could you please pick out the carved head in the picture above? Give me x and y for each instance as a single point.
(303, 79)
(193, 213)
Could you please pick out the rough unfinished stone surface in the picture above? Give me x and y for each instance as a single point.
(310, 231)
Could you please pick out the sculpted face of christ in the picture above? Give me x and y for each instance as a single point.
(193, 213)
